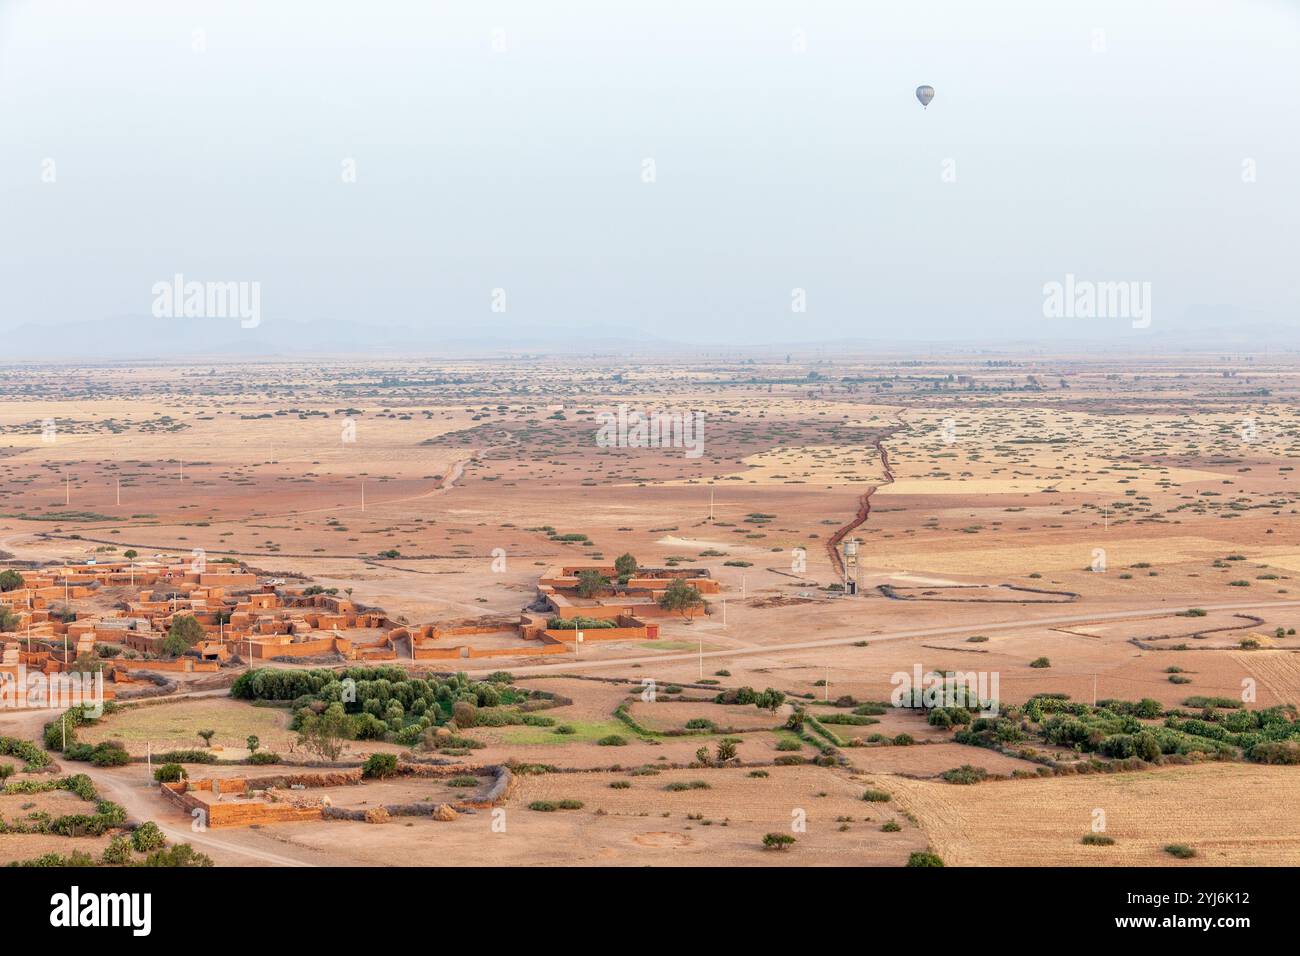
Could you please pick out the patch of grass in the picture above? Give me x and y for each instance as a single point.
(1097, 839)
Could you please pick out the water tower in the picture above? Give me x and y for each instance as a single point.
(851, 566)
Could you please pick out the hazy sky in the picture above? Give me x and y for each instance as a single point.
(775, 169)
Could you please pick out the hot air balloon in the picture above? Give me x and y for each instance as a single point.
(925, 94)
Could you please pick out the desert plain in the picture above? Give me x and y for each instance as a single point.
(1112, 541)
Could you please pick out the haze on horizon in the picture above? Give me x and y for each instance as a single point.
(502, 145)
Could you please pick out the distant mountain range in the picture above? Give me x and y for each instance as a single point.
(139, 338)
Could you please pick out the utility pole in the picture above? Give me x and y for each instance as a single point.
(363, 494)
(119, 492)
(67, 490)
(710, 504)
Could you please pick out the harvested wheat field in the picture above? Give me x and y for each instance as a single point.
(1231, 815)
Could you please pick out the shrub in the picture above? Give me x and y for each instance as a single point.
(177, 856)
(1275, 752)
(550, 806)
(463, 781)
(875, 796)
(965, 774)
(678, 785)
(187, 756)
(117, 853)
(263, 757)
(464, 713)
(1180, 850)
(379, 766)
(1096, 839)
(890, 826)
(110, 753)
(613, 740)
(147, 837)
(777, 841)
(1040, 662)
(924, 858)
(169, 773)
(32, 756)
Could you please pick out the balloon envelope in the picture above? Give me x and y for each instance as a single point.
(925, 94)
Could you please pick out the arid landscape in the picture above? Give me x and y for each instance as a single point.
(352, 612)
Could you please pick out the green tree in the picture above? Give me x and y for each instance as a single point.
(681, 597)
(207, 736)
(185, 632)
(8, 620)
(323, 734)
(253, 743)
(624, 566)
(379, 766)
(10, 580)
(591, 583)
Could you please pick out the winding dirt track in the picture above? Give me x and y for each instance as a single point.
(864, 504)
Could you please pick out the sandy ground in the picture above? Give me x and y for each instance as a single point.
(1130, 487)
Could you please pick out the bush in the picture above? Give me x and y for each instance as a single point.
(1180, 850)
(181, 855)
(169, 773)
(777, 841)
(965, 774)
(117, 853)
(263, 757)
(1040, 662)
(1275, 752)
(32, 756)
(1096, 839)
(464, 713)
(924, 858)
(188, 756)
(379, 766)
(110, 753)
(613, 740)
(890, 826)
(876, 796)
(147, 837)
(550, 806)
